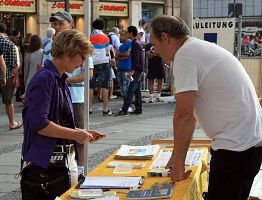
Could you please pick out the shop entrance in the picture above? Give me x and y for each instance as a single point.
(13, 22)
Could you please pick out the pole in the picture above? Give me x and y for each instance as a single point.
(67, 5)
(186, 13)
(87, 30)
(239, 37)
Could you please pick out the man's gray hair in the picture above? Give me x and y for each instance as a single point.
(115, 30)
(173, 26)
(50, 32)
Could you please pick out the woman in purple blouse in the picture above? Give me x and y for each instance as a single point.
(50, 138)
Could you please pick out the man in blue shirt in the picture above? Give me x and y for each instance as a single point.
(124, 68)
(137, 63)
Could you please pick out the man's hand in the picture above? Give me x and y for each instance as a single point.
(177, 171)
(96, 136)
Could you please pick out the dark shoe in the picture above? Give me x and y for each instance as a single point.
(137, 112)
(108, 112)
(90, 112)
(121, 113)
(158, 99)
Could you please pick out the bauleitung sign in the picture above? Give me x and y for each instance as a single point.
(23, 6)
(115, 9)
(75, 7)
(217, 30)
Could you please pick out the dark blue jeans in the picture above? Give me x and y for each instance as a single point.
(124, 82)
(134, 89)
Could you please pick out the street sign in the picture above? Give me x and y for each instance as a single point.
(234, 9)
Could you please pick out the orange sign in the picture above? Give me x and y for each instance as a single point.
(113, 9)
(24, 6)
(75, 7)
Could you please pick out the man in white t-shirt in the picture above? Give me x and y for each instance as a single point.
(213, 86)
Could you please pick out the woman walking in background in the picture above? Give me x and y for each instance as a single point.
(33, 59)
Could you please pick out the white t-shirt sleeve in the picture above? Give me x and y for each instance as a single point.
(116, 41)
(90, 62)
(185, 75)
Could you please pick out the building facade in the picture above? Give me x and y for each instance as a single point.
(32, 16)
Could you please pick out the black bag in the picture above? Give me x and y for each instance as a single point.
(44, 184)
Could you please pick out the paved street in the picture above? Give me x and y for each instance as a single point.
(154, 123)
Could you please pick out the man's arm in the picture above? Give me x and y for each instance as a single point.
(76, 79)
(3, 70)
(184, 126)
(124, 54)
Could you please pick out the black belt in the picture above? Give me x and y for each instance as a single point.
(69, 148)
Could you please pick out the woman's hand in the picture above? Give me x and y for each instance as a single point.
(82, 136)
(96, 136)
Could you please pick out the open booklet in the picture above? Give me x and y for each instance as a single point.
(127, 152)
(105, 182)
(157, 168)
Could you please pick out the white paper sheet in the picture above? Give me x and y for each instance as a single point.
(193, 158)
(111, 182)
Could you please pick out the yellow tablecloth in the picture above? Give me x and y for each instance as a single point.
(189, 189)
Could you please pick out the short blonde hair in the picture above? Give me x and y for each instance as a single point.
(71, 42)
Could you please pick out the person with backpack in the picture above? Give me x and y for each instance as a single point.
(50, 33)
(115, 42)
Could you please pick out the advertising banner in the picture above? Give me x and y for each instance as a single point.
(18, 6)
(115, 9)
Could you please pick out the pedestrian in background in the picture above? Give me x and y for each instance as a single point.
(136, 71)
(50, 33)
(12, 76)
(124, 68)
(115, 42)
(156, 71)
(3, 69)
(49, 126)
(101, 58)
(33, 59)
(213, 86)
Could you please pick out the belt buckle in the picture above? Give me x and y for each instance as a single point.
(69, 148)
(60, 148)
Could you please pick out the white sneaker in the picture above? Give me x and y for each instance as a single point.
(108, 112)
(151, 99)
(113, 97)
(130, 110)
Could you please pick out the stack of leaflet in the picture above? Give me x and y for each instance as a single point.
(127, 152)
(107, 182)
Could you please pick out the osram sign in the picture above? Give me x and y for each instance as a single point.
(112, 9)
(25, 6)
(75, 7)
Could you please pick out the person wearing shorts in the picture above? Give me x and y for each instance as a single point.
(101, 58)
(155, 71)
(12, 77)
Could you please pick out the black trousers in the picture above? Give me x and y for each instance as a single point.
(232, 173)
